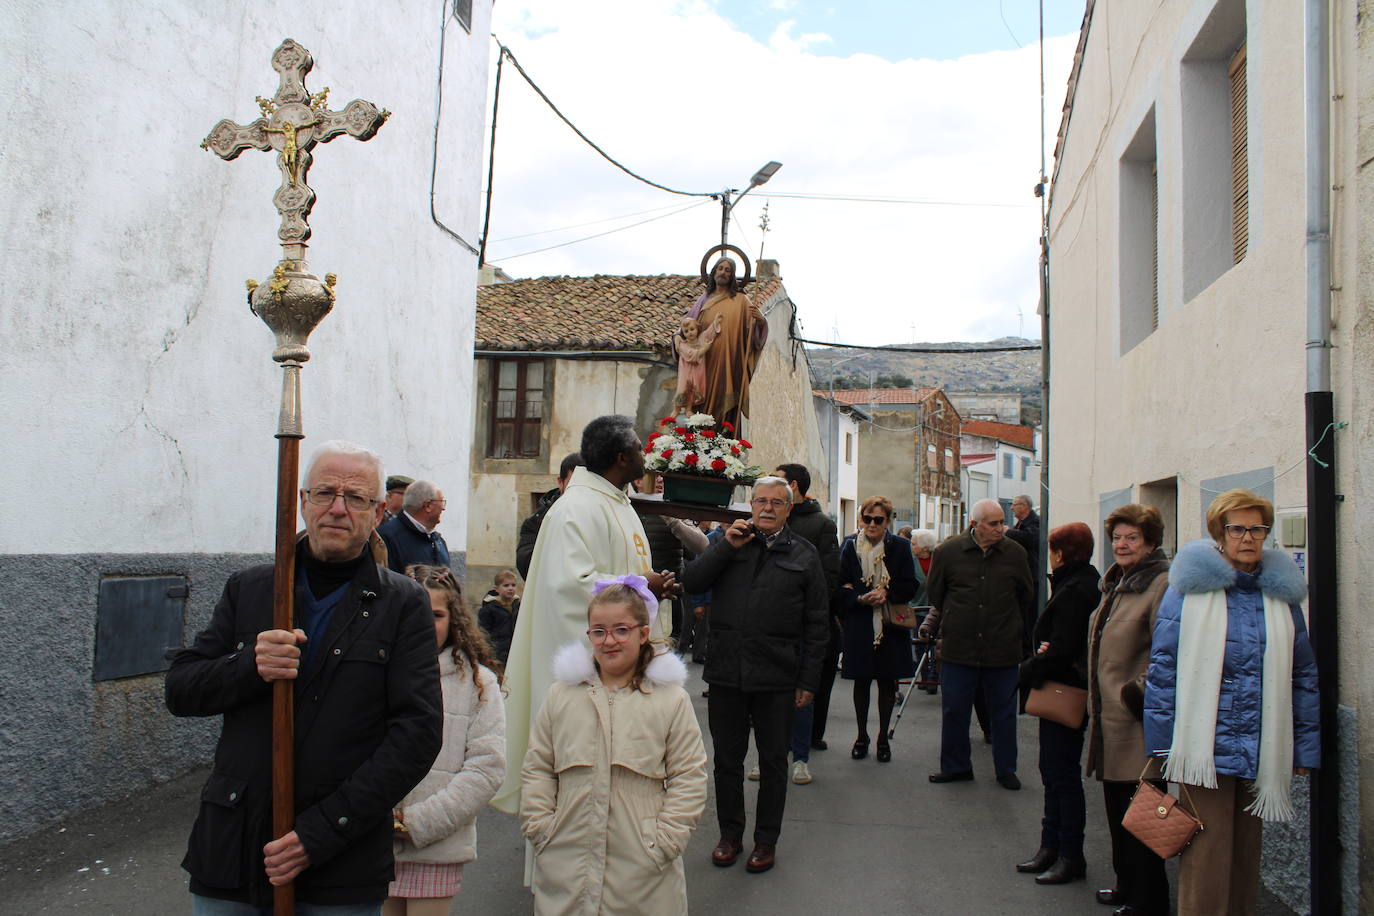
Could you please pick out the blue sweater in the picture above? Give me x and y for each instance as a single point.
(1198, 569)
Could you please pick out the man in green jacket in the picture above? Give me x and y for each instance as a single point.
(980, 585)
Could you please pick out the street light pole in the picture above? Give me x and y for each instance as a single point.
(727, 205)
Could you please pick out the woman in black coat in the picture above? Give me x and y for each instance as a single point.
(875, 569)
(1061, 655)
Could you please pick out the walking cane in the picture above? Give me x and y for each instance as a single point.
(291, 302)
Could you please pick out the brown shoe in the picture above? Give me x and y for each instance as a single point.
(726, 851)
(761, 859)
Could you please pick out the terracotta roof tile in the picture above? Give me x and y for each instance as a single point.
(878, 395)
(1012, 433)
(589, 313)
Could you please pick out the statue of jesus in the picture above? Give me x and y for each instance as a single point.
(733, 355)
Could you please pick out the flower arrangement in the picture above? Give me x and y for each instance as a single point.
(698, 446)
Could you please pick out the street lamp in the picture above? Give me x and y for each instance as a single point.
(726, 205)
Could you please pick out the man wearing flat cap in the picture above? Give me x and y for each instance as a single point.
(395, 495)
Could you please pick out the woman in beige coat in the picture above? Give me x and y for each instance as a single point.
(614, 780)
(1119, 635)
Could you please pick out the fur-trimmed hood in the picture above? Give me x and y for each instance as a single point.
(572, 664)
(1199, 567)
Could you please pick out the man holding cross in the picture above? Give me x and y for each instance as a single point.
(367, 708)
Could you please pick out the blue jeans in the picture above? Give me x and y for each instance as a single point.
(802, 720)
(959, 683)
(211, 906)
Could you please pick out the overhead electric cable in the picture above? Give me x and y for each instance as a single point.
(506, 52)
(598, 235)
(798, 195)
(592, 222)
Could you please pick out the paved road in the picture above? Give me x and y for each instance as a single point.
(865, 837)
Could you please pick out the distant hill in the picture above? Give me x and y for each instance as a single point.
(1016, 371)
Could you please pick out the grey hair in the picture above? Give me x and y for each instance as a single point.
(605, 439)
(981, 508)
(1025, 499)
(771, 481)
(350, 450)
(419, 493)
(924, 537)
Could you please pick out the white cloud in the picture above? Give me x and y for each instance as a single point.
(680, 96)
(782, 42)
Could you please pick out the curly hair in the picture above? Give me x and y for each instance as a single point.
(623, 594)
(1146, 518)
(880, 501)
(469, 644)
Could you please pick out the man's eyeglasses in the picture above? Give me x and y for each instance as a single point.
(772, 503)
(1237, 532)
(874, 519)
(323, 496)
(443, 503)
(618, 633)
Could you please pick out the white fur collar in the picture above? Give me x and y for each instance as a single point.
(572, 664)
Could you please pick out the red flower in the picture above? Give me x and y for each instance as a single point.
(680, 430)
(667, 421)
(648, 448)
(689, 438)
(666, 454)
(734, 450)
(653, 436)
(728, 426)
(717, 465)
(745, 443)
(691, 458)
(708, 433)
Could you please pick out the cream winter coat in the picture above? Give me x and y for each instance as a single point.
(613, 784)
(441, 811)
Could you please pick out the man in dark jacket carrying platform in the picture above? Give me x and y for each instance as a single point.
(768, 633)
(529, 528)
(367, 707)
(980, 587)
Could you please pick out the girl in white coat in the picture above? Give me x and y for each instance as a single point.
(435, 823)
(614, 780)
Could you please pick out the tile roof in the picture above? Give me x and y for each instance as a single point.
(590, 313)
(1011, 433)
(878, 395)
(967, 459)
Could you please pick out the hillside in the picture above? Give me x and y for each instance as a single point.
(1017, 371)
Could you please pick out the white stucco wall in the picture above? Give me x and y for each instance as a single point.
(136, 390)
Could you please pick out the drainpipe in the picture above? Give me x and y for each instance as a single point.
(1324, 874)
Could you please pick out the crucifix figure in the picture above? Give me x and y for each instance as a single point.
(291, 302)
(293, 122)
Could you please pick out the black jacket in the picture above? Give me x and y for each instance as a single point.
(769, 621)
(498, 623)
(1074, 595)
(529, 532)
(407, 544)
(368, 724)
(983, 600)
(818, 529)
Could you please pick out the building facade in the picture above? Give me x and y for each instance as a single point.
(1001, 461)
(1179, 299)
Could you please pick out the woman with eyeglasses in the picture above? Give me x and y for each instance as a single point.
(876, 570)
(1231, 697)
(1118, 653)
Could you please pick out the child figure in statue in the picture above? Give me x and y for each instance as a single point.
(691, 344)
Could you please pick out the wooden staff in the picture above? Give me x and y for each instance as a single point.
(283, 618)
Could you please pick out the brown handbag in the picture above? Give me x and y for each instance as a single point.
(899, 615)
(1157, 819)
(1059, 703)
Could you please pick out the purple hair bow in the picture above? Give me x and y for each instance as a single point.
(639, 584)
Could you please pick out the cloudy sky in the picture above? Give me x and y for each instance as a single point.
(928, 108)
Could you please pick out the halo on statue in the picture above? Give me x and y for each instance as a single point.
(748, 268)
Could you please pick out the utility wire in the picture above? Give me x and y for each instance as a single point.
(798, 195)
(434, 158)
(827, 343)
(598, 235)
(593, 222)
(506, 52)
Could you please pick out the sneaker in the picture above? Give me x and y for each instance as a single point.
(754, 773)
(801, 773)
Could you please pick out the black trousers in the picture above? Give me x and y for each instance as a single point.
(1065, 815)
(1140, 875)
(827, 685)
(731, 714)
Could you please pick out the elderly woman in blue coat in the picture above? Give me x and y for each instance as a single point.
(1231, 697)
(876, 570)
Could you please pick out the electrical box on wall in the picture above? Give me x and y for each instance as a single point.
(1290, 534)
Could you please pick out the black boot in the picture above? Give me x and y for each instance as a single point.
(1063, 871)
(1044, 857)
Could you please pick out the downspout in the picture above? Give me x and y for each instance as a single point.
(1324, 836)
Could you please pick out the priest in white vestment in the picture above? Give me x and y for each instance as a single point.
(592, 532)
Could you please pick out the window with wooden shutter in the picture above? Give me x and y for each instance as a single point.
(1240, 159)
(517, 408)
(1154, 246)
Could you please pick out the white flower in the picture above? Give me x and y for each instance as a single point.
(701, 419)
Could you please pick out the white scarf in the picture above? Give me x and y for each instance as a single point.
(871, 563)
(1201, 651)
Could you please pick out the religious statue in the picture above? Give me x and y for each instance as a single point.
(691, 344)
(729, 361)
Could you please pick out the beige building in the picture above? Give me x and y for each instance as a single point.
(552, 353)
(1179, 258)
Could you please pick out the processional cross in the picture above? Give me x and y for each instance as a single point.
(292, 302)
